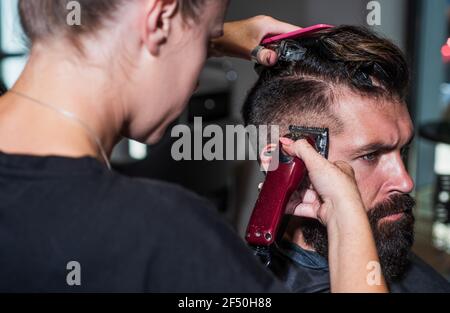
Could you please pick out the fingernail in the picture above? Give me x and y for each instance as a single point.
(273, 59)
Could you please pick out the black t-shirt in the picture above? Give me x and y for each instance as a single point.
(126, 235)
(306, 271)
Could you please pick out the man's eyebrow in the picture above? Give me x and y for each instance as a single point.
(372, 147)
(378, 146)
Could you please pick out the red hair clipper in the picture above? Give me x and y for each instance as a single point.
(271, 205)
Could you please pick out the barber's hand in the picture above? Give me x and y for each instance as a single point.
(334, 193)
(241, 37)
(337, 204)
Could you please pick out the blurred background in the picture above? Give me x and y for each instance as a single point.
(421, 28)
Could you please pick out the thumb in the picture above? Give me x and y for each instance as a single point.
(267, 57)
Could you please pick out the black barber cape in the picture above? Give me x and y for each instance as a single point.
(70, 225)
(307, 271)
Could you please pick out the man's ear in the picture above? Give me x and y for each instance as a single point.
(158, 23)
(265, 157)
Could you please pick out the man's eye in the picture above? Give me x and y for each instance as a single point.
(371, 157)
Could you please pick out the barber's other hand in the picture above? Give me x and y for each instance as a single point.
(334, 194)
(241, 37)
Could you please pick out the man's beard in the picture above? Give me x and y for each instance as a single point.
(393, 239)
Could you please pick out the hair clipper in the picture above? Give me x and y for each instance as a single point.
(277, 189)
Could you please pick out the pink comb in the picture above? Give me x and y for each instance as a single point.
(296, 33)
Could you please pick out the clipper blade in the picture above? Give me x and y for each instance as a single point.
(318, 134)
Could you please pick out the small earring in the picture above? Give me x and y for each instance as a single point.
(260, 185)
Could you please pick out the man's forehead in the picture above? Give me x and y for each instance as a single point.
(370, 120)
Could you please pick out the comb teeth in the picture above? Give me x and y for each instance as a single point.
(319, 134)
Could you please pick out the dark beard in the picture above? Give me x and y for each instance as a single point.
(393, 239)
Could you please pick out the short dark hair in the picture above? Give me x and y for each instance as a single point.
(303, 91)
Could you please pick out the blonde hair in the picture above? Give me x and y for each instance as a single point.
(42, 19)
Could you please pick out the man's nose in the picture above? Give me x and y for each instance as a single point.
(399, 178)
